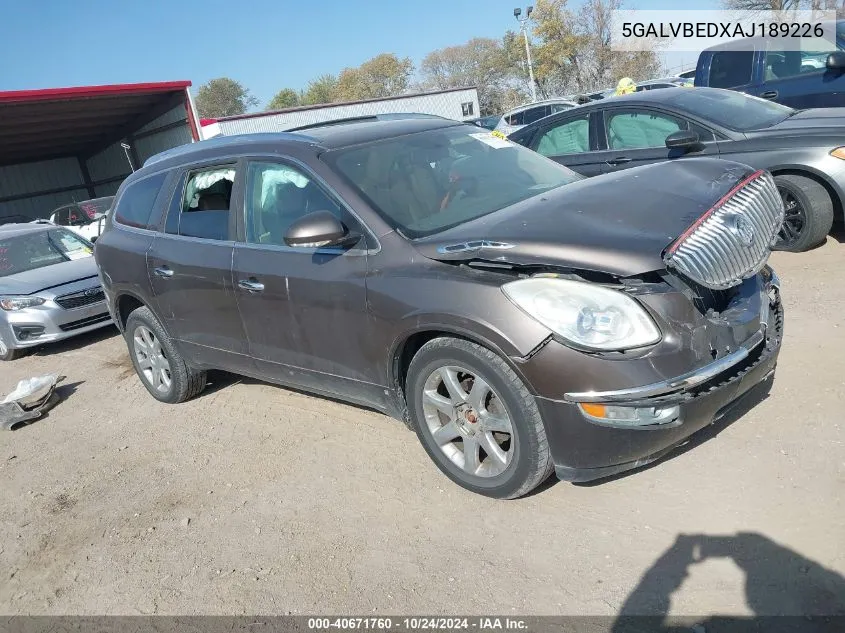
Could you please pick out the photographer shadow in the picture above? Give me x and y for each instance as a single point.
(778, 582)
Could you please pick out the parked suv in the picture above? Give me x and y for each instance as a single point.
(812, 77)
(522, 319)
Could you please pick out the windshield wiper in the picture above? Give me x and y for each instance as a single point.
(56, 247)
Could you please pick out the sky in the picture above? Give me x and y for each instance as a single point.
(264, 44)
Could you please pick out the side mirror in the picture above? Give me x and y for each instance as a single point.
(320, 228)
(835, 61)
(682, 139)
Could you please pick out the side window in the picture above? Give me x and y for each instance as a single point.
(729, 69)
(632, 129)
(61, 217)
(517, 118)
(559, 107)
(136, 204)
(77, 217)
(535, 114)
(174, 212)
(569, 137)
(811, 58)
(276, 196)
(704, 134)
(206, 203)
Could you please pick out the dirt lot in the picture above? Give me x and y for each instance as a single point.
(255, 499)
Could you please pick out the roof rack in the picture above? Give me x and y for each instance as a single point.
(392, 116)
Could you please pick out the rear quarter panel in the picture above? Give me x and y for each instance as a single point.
(121, 256)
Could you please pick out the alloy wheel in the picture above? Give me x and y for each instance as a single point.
(152, 362)
(468, 421)
(794, 219)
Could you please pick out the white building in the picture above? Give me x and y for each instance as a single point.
(460, 104)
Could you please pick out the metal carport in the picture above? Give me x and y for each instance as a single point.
(62, 145)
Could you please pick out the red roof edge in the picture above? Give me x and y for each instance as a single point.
(48, 94)
(204, 122)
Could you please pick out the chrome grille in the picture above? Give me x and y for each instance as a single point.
(82, 298)
(732, 241)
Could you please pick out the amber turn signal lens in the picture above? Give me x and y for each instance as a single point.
(595, 410)
(839, 152)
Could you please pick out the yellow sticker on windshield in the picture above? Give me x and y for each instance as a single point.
(498, 133)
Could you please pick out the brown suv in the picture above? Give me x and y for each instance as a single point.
(520, 318)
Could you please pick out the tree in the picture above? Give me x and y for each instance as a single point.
(319, 90)
(573, 54)
(384, 75)
(481, 62)
(285, 98)
(223, 97)
(763, 5)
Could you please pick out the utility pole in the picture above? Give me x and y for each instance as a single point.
(523, 26)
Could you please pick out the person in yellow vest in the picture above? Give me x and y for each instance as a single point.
(625, 86)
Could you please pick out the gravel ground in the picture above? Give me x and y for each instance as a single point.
(256, 499)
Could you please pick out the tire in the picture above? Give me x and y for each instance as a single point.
(7, 353)
(524, 460)
(144, 332)
(815, 213)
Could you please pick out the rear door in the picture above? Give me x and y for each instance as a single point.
(190, 269)
(636, 135)
(304, 309)
(570, 141)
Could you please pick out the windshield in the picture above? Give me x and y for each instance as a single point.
(427, 182)
(37, 249)
(733, 110)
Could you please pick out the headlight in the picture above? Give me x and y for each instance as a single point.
(586, 315)
(19, 303)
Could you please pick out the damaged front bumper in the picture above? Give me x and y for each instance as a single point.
(585, 447)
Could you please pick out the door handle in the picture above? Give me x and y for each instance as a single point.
(618, 161)
(164, 271)
(771, 94)
(252, 286)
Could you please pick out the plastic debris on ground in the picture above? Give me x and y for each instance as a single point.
(31, 399)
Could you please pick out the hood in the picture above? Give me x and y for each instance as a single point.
(32, 281)
(810, 121)
(617, 223)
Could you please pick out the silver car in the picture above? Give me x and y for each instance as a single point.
(49, 288)
(512, 120)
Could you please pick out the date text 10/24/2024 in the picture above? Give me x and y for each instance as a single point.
(418, 624)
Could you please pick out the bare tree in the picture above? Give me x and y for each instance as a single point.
(481, 62)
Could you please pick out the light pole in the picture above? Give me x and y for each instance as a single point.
(523, 26)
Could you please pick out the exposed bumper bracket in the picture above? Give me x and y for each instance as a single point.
(680, 383)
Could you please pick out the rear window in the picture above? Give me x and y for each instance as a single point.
(135, 206)
(38, 249)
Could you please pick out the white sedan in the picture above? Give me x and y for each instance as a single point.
(85, 218)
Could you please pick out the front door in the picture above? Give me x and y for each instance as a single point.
(190, 268)
(636, 136)
(304, 309)
(800, 78)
